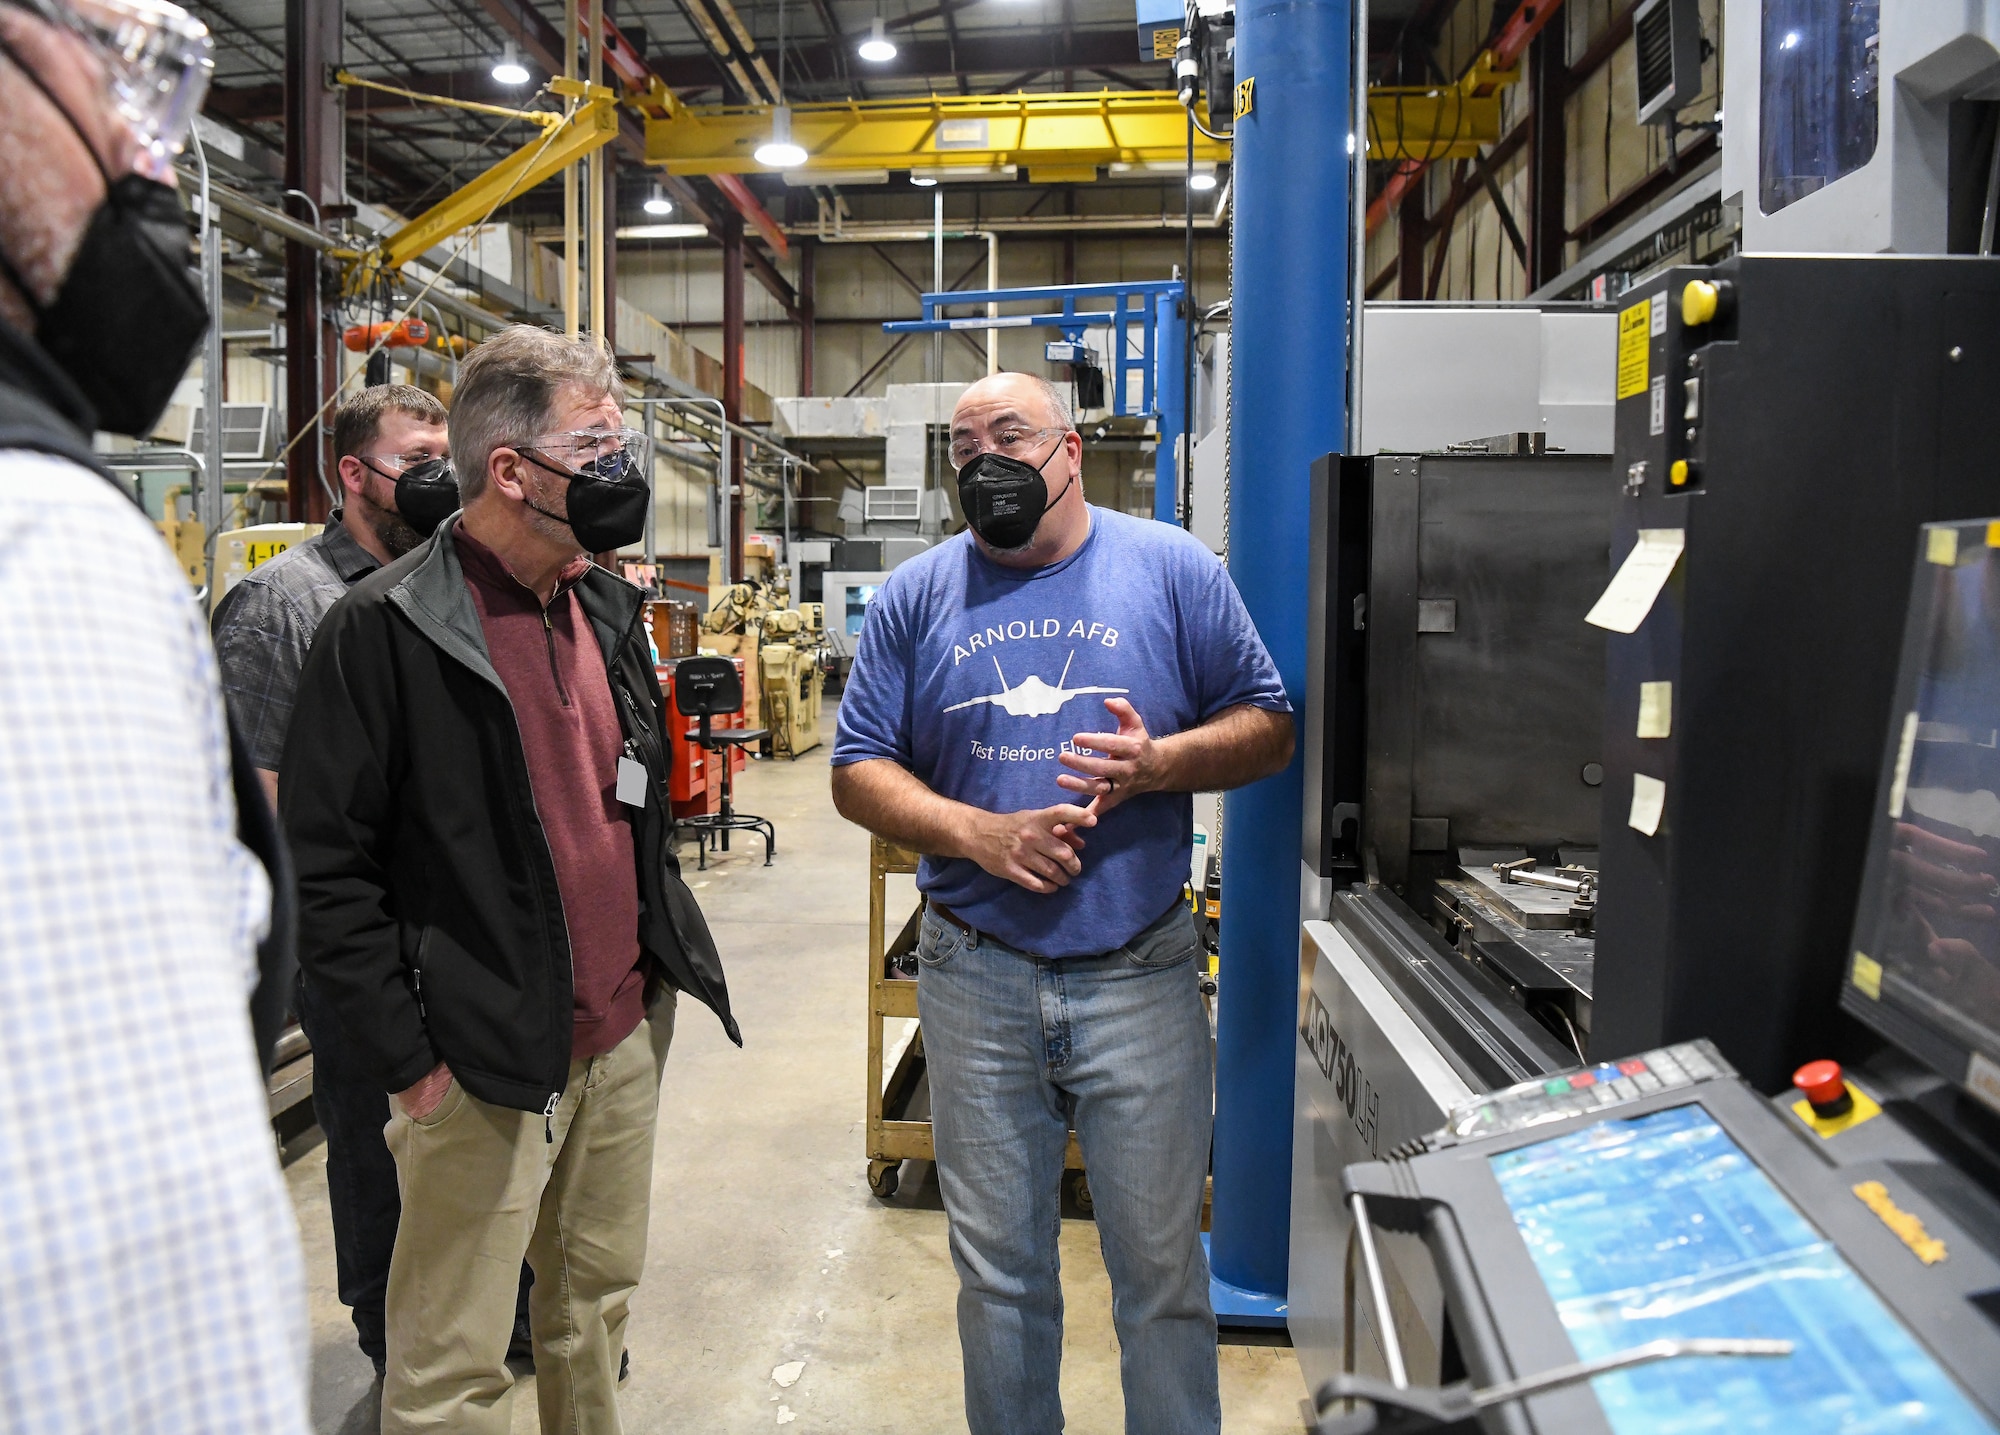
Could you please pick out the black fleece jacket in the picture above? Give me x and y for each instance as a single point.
(429, 912)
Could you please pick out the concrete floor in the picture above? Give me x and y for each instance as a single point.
(767, 1247)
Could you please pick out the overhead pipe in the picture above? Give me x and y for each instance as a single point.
(886, 233)
(266, 218)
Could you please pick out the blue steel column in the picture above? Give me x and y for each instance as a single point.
(1169, 384)
(1288, 289)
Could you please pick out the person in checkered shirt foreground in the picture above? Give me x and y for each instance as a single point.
(150, 1275)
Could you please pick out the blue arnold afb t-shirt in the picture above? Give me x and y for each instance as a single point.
(975, 676)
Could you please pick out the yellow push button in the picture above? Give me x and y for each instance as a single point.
(1678, 474)
(1699, 301)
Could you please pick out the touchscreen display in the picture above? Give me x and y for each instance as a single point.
(1660, 1227)
(1925, 967)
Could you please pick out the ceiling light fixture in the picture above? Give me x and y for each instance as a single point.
(878, 47)
(1200, 182)
(923, 181)
(508, 69)
(658, 203)
(778, 152)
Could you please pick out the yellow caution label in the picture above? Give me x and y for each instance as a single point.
(1246, 96)
(1941, 546)
(1634, 349)
(1909, 1230)
(1165, 42)
(255, 553)
(1828, 1127)
(1993, 535)
(1867, 976)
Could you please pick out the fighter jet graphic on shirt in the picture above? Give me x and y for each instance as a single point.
(1032, 697)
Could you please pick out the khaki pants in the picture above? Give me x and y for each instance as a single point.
(482, 1187)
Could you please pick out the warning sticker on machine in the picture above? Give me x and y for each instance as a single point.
(1634, 349)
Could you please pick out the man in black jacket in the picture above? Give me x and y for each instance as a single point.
(475, 784)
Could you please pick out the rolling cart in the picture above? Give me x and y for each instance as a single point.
(894, 1073)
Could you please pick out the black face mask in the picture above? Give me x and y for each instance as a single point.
(128, 316)
(426, 495)
(607, 502)
(1004, 498)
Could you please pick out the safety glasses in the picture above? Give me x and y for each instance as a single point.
(394, 463)
(1012, 440)
(616, 455)
(158, 60)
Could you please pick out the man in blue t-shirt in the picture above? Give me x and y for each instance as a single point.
(1057, 983)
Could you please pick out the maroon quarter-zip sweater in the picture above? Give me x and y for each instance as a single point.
(556, 676)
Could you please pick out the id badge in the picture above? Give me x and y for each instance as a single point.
(631, 782)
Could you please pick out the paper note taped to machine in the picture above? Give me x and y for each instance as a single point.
(1638, 580)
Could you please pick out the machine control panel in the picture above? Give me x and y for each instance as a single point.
(1573, 1233)
(1586, 1089)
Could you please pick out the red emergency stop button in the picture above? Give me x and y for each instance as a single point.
(1825, 1087)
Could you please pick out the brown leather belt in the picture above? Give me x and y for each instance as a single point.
(939, 909)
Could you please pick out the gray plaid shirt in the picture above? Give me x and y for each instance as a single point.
(264, 625)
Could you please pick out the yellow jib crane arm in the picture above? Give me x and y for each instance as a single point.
(589, 125)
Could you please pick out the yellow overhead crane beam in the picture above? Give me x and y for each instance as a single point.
(1433, 122)
(1057, 138)
(589, 123)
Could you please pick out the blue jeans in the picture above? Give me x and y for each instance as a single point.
(1018, 1048)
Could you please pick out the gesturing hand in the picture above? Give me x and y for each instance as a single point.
(1129, 766)
(1036, 850)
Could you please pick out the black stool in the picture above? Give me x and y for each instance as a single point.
(706, 688)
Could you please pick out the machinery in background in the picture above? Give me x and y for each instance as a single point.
(848, 594)
(788, 650)
(676, 628)
(1441, 376)
(743, 606)
(1783, 427)
(1565, 1228)
(185, 536)
(239, 550)
(792, 662)
(1864, 126)
(1454, 724)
